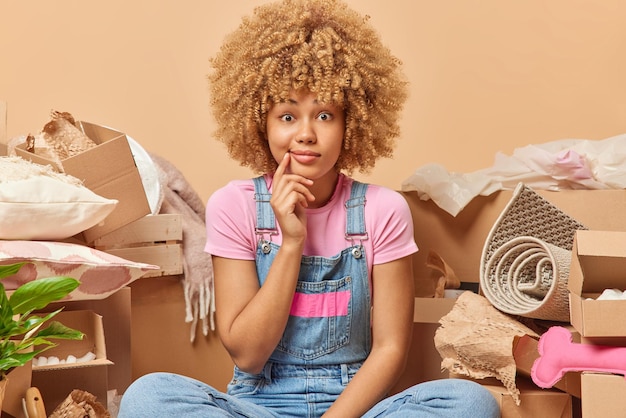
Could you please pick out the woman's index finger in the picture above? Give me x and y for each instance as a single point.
(282, 167)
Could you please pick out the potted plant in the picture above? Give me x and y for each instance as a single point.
(22, 335)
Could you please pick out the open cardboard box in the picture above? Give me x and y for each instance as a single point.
(90, 324)
(598, 263)
(108, 170)
(55, 382)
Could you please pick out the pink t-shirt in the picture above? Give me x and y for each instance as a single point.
(231, 218)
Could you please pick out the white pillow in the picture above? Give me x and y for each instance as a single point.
(37, 203)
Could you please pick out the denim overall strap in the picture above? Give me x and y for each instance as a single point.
(265, 220)
(355, 217)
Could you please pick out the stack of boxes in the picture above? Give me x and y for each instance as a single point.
(129, 232)
(598, 262)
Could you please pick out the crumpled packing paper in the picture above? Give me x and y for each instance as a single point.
(446, 278)
(572, 164)
(476, 340)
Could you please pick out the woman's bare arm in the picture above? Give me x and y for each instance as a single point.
(251, 319)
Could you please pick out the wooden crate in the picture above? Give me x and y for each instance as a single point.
(153, 239)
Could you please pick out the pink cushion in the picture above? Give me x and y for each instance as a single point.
(101, 274)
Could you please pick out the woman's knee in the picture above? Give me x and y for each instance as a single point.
(148, 383)
(478, 398)
(162, 394)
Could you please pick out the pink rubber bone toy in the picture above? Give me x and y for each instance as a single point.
(558, 355)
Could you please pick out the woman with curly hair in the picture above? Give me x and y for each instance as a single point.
(313, 277)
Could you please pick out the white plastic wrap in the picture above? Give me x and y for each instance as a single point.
(557, 165)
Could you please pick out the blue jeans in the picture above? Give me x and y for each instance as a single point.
(171, 395)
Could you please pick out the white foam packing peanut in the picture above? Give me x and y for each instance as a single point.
(612, 294)
(53, 360)
(87, 357)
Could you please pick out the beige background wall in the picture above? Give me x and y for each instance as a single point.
(485, 76)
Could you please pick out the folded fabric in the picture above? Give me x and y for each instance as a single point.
(197, 278)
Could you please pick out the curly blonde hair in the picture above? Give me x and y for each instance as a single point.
(319, 45)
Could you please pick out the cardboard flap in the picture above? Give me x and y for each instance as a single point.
(598, 262)
(110, 160)
(98, 133)
(525, 352)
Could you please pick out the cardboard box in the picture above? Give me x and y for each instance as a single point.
(55, 385)
(460, 240)
(525, 353)
(534, 401)
(431, 310)
(90, 324)
(159, 303)
(152, 239)
(598, 263)
(108, 170)
(603, 395)
(55, 382)
(116, 320)
(19, 382)
(424, 361)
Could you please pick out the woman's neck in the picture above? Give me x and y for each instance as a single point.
(323, 189)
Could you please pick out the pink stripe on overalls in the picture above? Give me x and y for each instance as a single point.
(321, 305)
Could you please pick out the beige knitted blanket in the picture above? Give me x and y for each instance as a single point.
(197, 279)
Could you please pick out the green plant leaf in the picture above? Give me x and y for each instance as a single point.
(20, 327)
(20, 358)
(29, 321)
(6, 312)
(10, 362)
(58, 330)
(38, 293)
(10, 269)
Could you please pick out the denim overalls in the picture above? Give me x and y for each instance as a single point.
(327, 338)
(328, 333)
